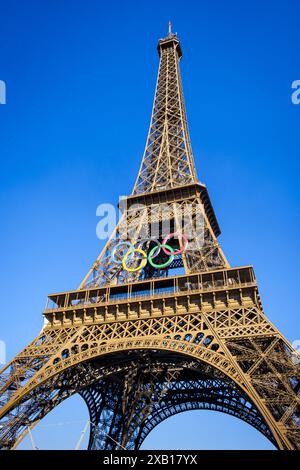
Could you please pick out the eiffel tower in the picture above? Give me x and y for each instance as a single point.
(161, 323)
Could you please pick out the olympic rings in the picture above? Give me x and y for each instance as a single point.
(131, 248)
(176, 252)
(164, 265)
(143, 262)
(154, 252)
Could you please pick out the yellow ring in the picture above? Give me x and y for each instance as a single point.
(141, 266)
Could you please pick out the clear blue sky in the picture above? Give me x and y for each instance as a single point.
(80, 81)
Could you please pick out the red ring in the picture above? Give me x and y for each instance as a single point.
(177, 252)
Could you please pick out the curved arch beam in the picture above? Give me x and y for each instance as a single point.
(220, 361)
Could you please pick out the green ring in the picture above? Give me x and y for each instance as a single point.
(164, 265)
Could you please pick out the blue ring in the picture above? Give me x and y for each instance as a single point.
(131, 247)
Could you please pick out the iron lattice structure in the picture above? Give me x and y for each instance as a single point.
(143, 344)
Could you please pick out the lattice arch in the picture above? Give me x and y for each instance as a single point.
(170, 373)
